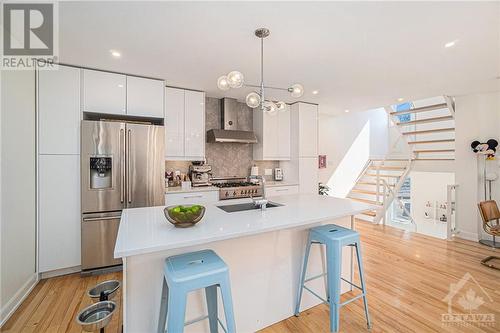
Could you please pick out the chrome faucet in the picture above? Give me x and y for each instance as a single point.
(262, 202)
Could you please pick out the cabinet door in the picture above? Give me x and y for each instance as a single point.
(194, 124)
(282, 190)
(270, 135)
(308, 175)
(104, 92)
(284, 134)
(308, 129)
(174, 123)
(145, 97)
(59, 111)
(59, 211)
(191, 198)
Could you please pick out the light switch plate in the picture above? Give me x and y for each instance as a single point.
(268, 172)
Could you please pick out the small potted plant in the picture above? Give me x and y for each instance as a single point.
(323, 189)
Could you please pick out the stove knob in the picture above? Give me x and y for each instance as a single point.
(234, 193)
(226, 194)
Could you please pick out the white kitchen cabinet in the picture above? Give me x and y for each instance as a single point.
(104, 92)
(194, 124)
(273, 134)
(59, 111)
(184, 124)
(191, 198)
(281, 190)
(59, 212)
(145, 97)
(308, 123)
(308, 175)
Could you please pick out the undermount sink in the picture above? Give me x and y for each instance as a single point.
(245, 206)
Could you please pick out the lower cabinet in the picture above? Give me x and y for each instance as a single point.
(59, 212)
(281, 190)
(191, 198)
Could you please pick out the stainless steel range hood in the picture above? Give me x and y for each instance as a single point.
(230, 131)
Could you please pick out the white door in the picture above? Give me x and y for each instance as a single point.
(59, 200)
(308, 129)
(270, 135)
(104, 92)
(59, 111)
(308, 175)
(194, 124)
(174, 123)
(145, 97)
(284, 134)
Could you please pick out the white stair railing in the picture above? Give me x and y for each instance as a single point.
(451, 211)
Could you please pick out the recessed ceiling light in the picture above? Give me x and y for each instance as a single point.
(450, 44)
(400, 99)
(315, 92)
(115, 54)
(346, 111)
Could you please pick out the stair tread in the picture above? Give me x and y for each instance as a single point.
(430, 141)
(433, 150)
(370, 213)
(388, 167)
(437, 130)
(425, 120)
(371, 183)
(421, 109)
(381, 175)
(357, 190)
(434, 159)
(366, 201)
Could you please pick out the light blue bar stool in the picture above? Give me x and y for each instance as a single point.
(188, 272)
(334, 237)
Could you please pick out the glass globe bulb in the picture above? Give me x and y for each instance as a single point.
(270, 107)
(297, 90)
(223, 83)
(235, 79)
(253, 100)
(281, 106)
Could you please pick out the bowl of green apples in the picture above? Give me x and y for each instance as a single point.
(184, 216)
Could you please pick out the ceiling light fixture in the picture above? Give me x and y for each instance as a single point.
(115, 54)
(450, 44)
(315, 92)
(346, 111)
(400, 99)
(257, 98)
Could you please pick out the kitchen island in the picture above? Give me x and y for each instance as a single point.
(263, 249)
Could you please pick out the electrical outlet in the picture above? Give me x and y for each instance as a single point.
(268, 172)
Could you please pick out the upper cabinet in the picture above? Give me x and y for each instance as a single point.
(304, 130)
(145, 97)
(59, 111)
(273, 134)
(184, 124)
(120, 94)
(104, 92)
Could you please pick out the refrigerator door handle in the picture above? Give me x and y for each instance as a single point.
(122, 165)
(129, 190)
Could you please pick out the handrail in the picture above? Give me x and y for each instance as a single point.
(395, 197)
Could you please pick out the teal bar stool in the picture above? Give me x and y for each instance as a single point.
(334, 237)
(188, 272)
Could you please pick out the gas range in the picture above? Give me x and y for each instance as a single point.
(236, 188)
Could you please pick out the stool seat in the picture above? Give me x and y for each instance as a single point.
(332, 232)
(194, 265)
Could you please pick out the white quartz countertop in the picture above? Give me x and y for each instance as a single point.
(146, 230)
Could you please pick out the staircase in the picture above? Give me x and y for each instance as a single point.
(428, 131)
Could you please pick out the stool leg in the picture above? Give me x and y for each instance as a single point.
(176, 311)
(303, 275)
(211, 295)
(225, 288)
(334, 269)
(163, 308)
(362, 279)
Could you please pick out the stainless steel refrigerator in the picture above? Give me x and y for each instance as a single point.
(122, 166)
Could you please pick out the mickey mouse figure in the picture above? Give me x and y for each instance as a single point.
(489, 148)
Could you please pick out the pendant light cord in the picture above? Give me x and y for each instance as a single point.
(262, 74)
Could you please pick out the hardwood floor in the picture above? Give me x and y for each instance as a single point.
(408, 276)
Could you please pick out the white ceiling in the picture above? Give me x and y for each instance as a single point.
(357, 55)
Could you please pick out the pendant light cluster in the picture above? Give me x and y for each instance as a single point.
(255, 99)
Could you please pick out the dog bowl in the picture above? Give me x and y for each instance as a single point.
(96, 316)
(109, 289)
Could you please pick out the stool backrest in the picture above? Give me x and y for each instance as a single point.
(489, 210)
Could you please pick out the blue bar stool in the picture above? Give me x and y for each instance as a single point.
(334, 237)
(188, 272)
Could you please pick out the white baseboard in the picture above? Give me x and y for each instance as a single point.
(59, 272)
(467, 235)
(12, 305)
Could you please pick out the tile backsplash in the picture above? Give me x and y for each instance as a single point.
(226, 159)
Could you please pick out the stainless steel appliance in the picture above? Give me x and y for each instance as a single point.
(236, 188)
(278, 174)
(200, 174)
(122, 166)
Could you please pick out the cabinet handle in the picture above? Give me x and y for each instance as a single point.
(282, 190)
(89, 219)
(193, 196)
(122, 165)
(129, 194)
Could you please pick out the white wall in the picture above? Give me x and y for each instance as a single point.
(17, 189)
(348, 141)
(477, 118)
